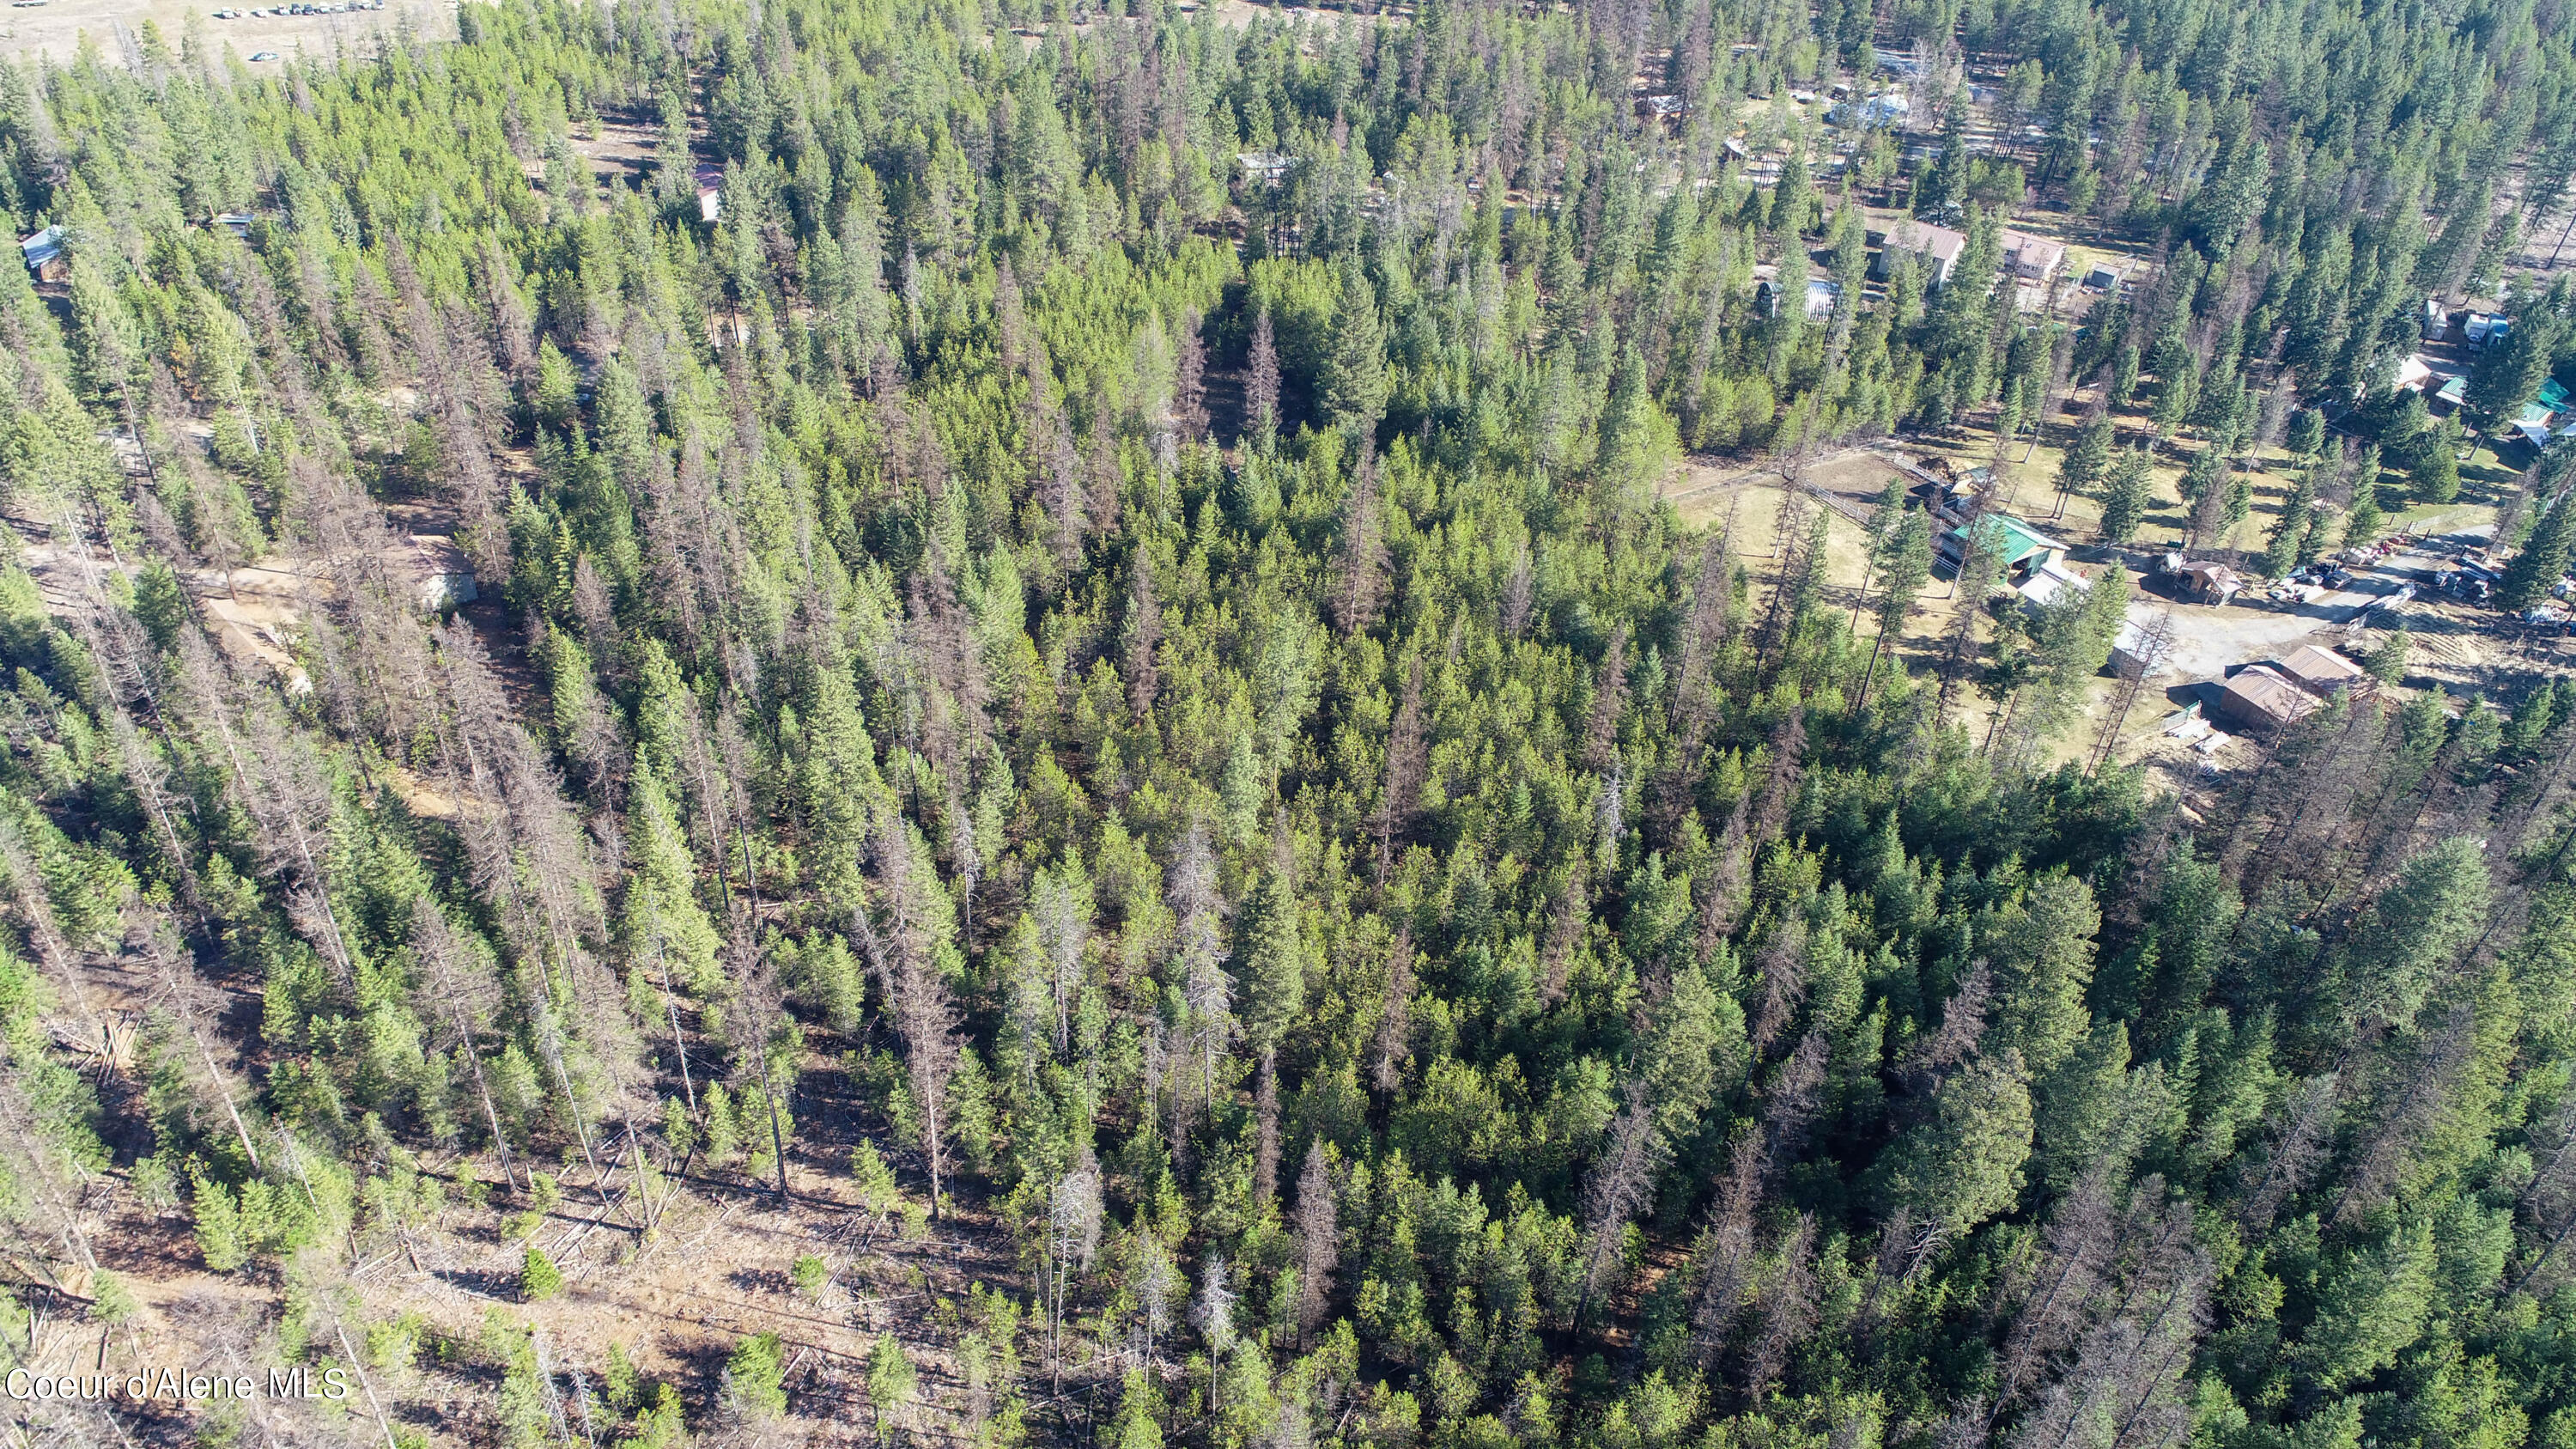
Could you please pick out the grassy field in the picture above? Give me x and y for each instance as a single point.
(58, 29)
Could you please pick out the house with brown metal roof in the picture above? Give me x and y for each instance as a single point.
(1934, 248)
(2263, 699)
(2321, 672)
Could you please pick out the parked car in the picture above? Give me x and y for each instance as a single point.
(2339, 579)
(260, 55)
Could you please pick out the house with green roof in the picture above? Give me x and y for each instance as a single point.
(2022, 547)
(2545, 409)
(2543, 412)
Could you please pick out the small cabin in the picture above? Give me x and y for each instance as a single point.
(1666, 113)
(2137, 653)
(1266, 168)
(2208, 583)
(44, 253)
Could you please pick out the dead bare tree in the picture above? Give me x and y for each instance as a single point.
(1071, 1241)
(1407, 766)
(1695, 702)
(2299, 1142)
(1392, 1045)
(1721, 888)
(2076, 1253)
(460, 994)
(1142, 635)
(1359, 574)
(277, 782)
(1617, 1188)
(1784, 979)
(1963, 1021)
(189, 1000)
(759, 1021)
(1725, 1251)
(1609, 700)
(1319, 1246)
(1207, 994)
(925, 1016)
(1566, 919)
(1788, 1305)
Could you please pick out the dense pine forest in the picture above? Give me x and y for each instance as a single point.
(1084, 704)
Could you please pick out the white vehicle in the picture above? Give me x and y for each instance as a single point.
(261, 55)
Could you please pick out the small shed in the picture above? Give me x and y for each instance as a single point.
(2321, 672)
(2102, 277)
(2262, 699)
(710, 194)
(2137, 653)
(2209, 583)
(45, 257)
